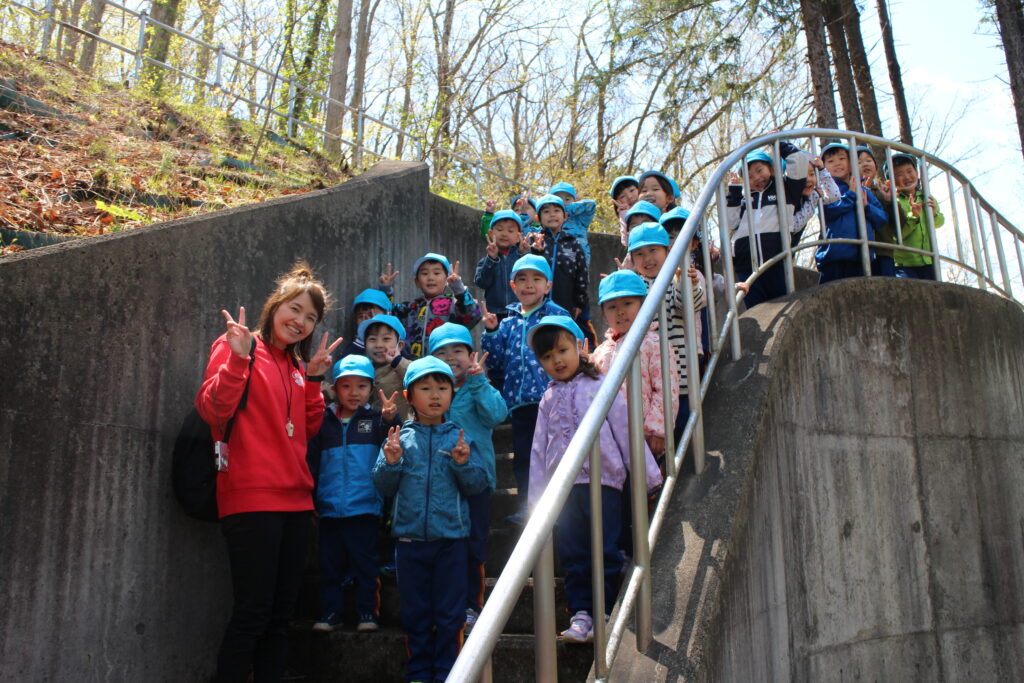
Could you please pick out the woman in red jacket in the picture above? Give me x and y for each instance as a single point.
(264, 489)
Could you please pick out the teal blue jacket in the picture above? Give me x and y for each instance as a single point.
(478, 408)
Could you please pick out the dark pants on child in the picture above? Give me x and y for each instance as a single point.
(916, 272)
(496, 376)
(267, 552)
(770, 285)
(476, 548)
(432, 604)
(348, 547)
(883, 266)
(839, 270)
(524, 422)
(572, 543)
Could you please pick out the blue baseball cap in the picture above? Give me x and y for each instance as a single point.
(428, 365)
(759, 155)
(352, 365)
(532, 262)
(374, 297)
(645, 208)
(507, 215)
(383, 319)
(563, 187)
(531, 200)
(430, 256)
(550, 199)
(661, 177)
(646, 234)
(672, 216)
(620, 181)
(675, 188)
(619, 284)
(830, 147)
(563, 321)
(449, 333)
(865, 149)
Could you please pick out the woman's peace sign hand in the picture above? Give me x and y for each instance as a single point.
(392, 448)
(238, 336)
(320, 363)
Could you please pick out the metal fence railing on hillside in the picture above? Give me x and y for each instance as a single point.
(222, 59)
(986, 256)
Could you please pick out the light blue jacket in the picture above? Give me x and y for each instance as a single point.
(579, 215)
(429, 489)
(478, 408)
(525, 379)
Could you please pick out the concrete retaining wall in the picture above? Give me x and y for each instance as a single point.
(101, 576)
(862, 515)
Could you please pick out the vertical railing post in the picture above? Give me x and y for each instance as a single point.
(597, 561)
(139, 47)
(667, 356)
(638, 489)
(290, 121)
(545, 652)
(862, 225)
(692, 361)
(727, 268)
(48, 22)
(972, 225)
(955, 216)
(893, 195)
(929, 215)
(752, 242)
(218, 71)
(709, 285)
(989, 272)
(1003, 269)
(487, 675)
(360, 136)
(782, 210)
(821, 205)
(1020, 259)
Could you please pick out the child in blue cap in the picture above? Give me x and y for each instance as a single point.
(521, 204)
(508, 351)
(430, 470)
(558, 343)
(368, 303)
(433, 275)
(383, 337)
(570, 276)
(341, 458)
(625, 192)
(764, 200)
(505, 244)
(478, 408)
(648, 249)
(579, 214)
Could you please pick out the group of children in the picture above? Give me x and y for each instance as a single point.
(415, 403)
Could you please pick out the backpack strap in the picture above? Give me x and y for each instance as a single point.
(245, 392)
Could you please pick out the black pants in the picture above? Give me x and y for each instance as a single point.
(267, 552)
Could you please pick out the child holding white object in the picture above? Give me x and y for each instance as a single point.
(558, 342)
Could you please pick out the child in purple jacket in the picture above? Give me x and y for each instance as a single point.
(558, 342)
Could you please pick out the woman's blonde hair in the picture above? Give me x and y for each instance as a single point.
(300, 279)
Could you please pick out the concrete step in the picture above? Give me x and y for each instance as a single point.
(503, 438)
(503, 470)
(345, 655)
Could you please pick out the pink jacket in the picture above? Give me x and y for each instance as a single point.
(558, 417)
(652, 391)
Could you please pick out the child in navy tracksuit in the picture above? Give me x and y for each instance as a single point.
(341, 458)
(525, 380)
(477, 408)
(505, 245)
(430, 470)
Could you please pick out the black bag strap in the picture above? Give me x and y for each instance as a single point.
(245, 392)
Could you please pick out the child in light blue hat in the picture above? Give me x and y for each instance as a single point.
(579, 214)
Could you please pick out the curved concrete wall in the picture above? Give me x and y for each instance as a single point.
(103, 345)
(863, 515)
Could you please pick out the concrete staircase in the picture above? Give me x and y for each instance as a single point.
(345, 655)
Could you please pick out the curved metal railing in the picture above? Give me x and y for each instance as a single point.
(534, 552)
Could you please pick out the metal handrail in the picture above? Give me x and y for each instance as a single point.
(476, 166)
(533, 551)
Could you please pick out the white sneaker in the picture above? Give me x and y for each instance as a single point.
(581, 628)
(471, 616)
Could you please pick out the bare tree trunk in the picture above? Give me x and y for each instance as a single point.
(310, 55)
(843, 70)
(338, 81)
(367, 11)
(92, 25)
(158, 43)
(71, 46)
(209, 9)
(861, 69)
(895, 75)
(443, 108)
(817, 58)
(1010, 16)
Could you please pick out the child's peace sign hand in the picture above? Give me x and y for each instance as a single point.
(490, 205)
(238, 336)
(320, 363)
(388, 409)
(492, 246)
(490, 319)
(476, 364)
(454, 277)
(915, 209)
(460, 454)
(585, 349)
(620, 205)
(387, 278)
(524, 244)
(392, 448)
(735, 179)
(537, 241)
